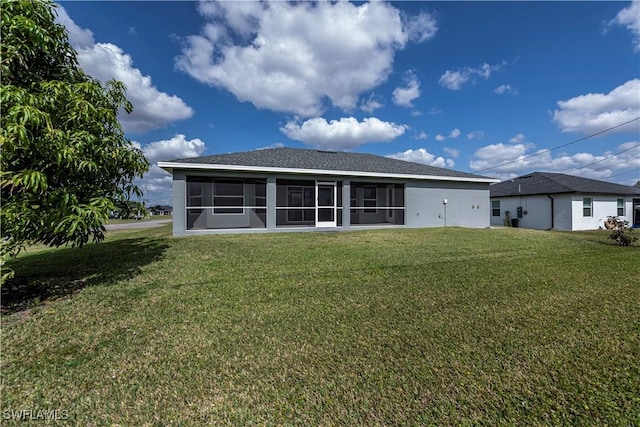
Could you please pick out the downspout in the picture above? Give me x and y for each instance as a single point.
(552, 213)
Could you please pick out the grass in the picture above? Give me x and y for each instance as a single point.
(389, 327)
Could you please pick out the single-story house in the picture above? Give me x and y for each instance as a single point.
(161, 210)
(554, 201)
(303, 189)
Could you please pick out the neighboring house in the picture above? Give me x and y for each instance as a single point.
(161, 210)
(302, 189)
(562, 202)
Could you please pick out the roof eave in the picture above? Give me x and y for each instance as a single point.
(170, 166)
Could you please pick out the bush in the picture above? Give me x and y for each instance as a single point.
(619, 228)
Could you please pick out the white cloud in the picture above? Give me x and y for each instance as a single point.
(595, 112)
(452, 135)
(421, 155)
(435, 111)
(421, 135)
(344, 134)
(421, 27)
(455, 79)
(518, 161)
(371, 104)
(157, 183)
(453, 152)
(274, 145)
(288, 57)
(78, 37)
(506, 89)
(404, 96)
(475, 134)
(629, 17)
(518, 139)
(152, 109)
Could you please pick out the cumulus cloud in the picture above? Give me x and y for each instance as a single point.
(476, 134)
(371, 104)
(454, 80)
(452, 135)
(421, 155)
(152, 109)
(629, 17)
(421, 135)
(453, 152)
(506, 89)
(595, 112)
(78, 37)
(509, 160)
(404, 96)
(518, 139)
(421, 27)
(344, 134)
(288, 57)
(157, 183)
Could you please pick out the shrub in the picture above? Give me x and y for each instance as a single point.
(620, 231)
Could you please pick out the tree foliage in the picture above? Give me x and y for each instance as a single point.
(65, 162)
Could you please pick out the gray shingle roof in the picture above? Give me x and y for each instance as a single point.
(299, 158)
(554, 183)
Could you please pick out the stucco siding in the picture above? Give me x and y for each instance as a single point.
(603, 206)
(467, 204)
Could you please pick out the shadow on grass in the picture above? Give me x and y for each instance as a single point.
(61, 273)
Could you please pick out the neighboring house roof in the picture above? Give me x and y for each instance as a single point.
(299, 160)
(555, 183)
(162, 207)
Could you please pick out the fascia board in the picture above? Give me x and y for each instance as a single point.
(170, 166)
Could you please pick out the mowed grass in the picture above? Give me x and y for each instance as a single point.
(388, 327)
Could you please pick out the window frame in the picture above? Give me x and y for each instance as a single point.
(495, 209)
(620, 206)
(227, 209)
(587, 207)
(370, 209)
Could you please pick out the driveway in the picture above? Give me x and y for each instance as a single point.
(138, 224)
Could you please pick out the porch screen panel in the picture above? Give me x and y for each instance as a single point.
(295, 203)
(221, 203)
(377, 204)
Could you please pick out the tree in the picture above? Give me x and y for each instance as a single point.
(637, 184)
(64, 159)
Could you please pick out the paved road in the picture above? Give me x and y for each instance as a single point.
(138, 224)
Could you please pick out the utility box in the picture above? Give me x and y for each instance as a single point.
(519, 212)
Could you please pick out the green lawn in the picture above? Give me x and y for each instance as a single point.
(392, 327)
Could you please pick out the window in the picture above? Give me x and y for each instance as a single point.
(495, 207)
(587, 207)
(370, 199)
(620, 207)
(228, 197)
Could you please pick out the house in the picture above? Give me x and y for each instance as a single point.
(303, 189)
(562, 202)
(161, 210)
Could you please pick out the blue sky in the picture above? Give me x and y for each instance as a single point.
(479, 87)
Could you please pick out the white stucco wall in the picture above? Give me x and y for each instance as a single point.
(603, 207)
(567, 208)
